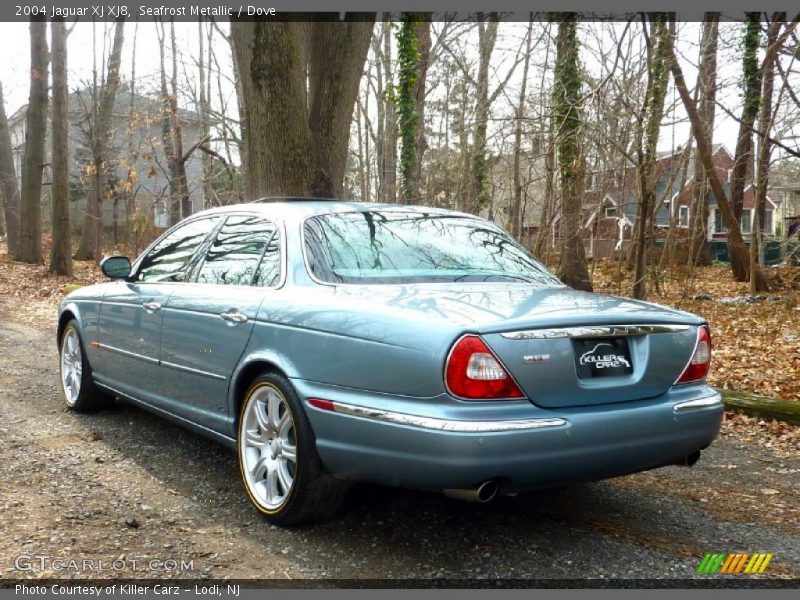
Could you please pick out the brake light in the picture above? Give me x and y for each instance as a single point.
(697, 369)
(473, 371)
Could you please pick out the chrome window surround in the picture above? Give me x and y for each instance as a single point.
(280, 227)
(592, 331)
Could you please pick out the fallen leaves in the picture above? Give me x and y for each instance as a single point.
(756, 344)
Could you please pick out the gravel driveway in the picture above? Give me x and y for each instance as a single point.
(124, 485)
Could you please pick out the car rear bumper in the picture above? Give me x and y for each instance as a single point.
(442, 445)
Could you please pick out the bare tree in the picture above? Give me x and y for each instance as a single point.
(388, 164)
(91, 244)
(658, 77)
(291, 149)
(30, 231)
(61, 249)
(705, 96)
(736, 247)
(8, 181)
(567, 123)
(516, 206)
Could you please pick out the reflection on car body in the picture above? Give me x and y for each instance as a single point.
(329, 342)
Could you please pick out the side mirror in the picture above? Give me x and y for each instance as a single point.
(116, 267)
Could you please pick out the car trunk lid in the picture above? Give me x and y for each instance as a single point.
(595, 364)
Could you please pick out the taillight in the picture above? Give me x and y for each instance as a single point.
(473, 371)
(697, 369)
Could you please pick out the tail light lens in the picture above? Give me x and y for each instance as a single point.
(697, 369)
(473, 371)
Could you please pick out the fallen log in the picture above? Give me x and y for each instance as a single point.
(762, 406)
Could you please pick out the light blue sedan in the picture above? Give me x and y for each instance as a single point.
(329, 342)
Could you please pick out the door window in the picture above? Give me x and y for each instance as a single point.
(236, 253)
(270, 268)
(170, 259)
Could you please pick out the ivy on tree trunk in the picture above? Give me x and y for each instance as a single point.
(408, 64)
(566, 124)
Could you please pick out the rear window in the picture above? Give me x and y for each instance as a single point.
(413, 247)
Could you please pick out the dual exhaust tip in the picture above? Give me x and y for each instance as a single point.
(482, 494)
(487, 491)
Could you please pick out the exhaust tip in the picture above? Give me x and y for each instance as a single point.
(484, 493)
(487, 491)
(690, 459)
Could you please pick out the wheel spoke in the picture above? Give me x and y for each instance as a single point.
(261, 415)
(289, 452)
(274, 411)
(285, 425)
(254, 439)
(273, 493)
(284, 476)
(260, 468)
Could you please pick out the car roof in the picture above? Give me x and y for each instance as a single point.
(295, 207)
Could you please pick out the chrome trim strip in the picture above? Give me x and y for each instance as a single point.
(591, 331)
(178, 367)
(707, 402)
(128, 353)
(446, 424)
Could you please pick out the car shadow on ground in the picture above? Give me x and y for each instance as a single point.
(379, 519)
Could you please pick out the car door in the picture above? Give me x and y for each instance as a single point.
(208, 323)
(128, 344)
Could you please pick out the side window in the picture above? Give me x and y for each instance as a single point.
(234, 257)
(169, 259)
(269, 271)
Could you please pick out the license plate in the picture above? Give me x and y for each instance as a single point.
(602, 357)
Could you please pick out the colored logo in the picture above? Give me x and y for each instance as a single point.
(734, 563)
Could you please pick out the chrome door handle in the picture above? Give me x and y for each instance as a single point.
(234, 317)
(151, 306)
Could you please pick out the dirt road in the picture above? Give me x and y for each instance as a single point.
(128, 487)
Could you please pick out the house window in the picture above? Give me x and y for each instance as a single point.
(746, 221)
(766, 224)
(683, 216)
(719, 223)
(611, 212)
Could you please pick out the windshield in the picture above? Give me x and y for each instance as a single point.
(412, 247)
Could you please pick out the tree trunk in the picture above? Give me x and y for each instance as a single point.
(389, 169)
(8, 181)
(516, 216)
(545, 221)
(744, 142)
(699, 253)
(205, 108)
(424, 47)
(408, 59)
(30, 233)
(736, 246)
(91, 245)
(765, 122)
(167, 134)
(478, 197)
(177, 131)
(567, 122)
(291, 151)
(61, 250)
(646, 169)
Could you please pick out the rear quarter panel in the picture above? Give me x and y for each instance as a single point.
(314, 335)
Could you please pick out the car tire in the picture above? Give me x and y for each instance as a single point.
(277, 456)
(77, 385)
